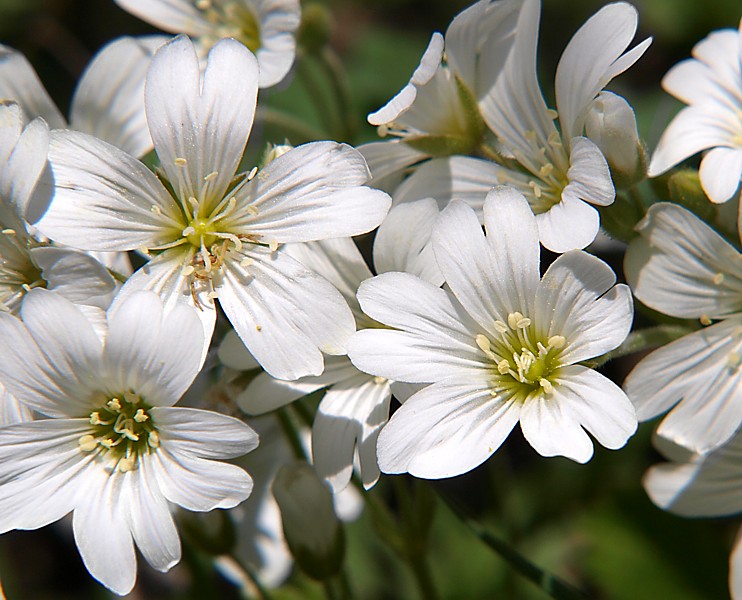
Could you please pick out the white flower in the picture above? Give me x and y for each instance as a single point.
(26, 261)
(562, 173)
(436, 113)
(215, 233)
(356, 405)
(703, 486)
(502, 346)
(112, 451)
(683, 268)
(711, 84)
(108, 101)
(266, 27)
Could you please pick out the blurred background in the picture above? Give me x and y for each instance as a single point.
(591, 524)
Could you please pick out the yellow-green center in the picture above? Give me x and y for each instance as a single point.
(122, 430)
(523, 364)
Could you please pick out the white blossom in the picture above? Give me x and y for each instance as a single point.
(711, 85)
(683, 268)
(498, 345)
(112, 449)
(213, 233)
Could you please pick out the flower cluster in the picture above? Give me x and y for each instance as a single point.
(152, 254)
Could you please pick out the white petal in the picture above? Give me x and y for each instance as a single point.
(266, 393)
(285, 314)
(552, 428)
(429, 63)
(708, 486)
(175, 16)
(593, 57)
(150, 521)
(735, 569)
(437, 337)
(597, 403)
(349, 418)
(198, 484)
(446, 429)
(207, 122)
(109, 99)
(694, 373)
(104, 198)
(74, 274)
(682, 267)
(461, 177)
(51, 361)
(233, 354)
(278, 24)
(720, 173)
(478, 41)
(11, 410)
(589, 175)
(24, 166)
(570, 225)
(400, 247)
(203, 433)
(339, 261)
(693, 129)
(151, 350)
(19, 83)
(515, 104)
(312, 192)
(481, 272)
(388, 157)
(103, 536)
(577, 299)
(43, 471)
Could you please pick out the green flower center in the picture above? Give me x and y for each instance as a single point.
(523, 364)
(232, 19)
(18, 273)
(122, 430)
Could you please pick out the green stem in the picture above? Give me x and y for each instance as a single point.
(651, 337)
(292, 435)
(278, 118)
(316, 94)
(415, 539)
(546, 581)
(335, 72)
(250, 586)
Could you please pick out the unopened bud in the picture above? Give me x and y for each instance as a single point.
(684, 188)
(611, 124)
(315, 28)
(313, 532)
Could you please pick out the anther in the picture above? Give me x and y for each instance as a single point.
(246, 262)
(9, 231)
(705, 320)
(154, 439)
(188, 270)
(253, 172)
(155, 210)
(180, 161)
(500, 327)
(273, 245)
(95, 418)
(718, 278)
(546, 385)
(211, 175)
(87, 443)
(556, 341)
(252, 210)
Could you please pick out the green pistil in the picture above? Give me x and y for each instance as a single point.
(122, 430)
(521, 362)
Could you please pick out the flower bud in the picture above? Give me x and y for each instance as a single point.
(611, 124)
(684, 187)
(315, 28)
(311, 528)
